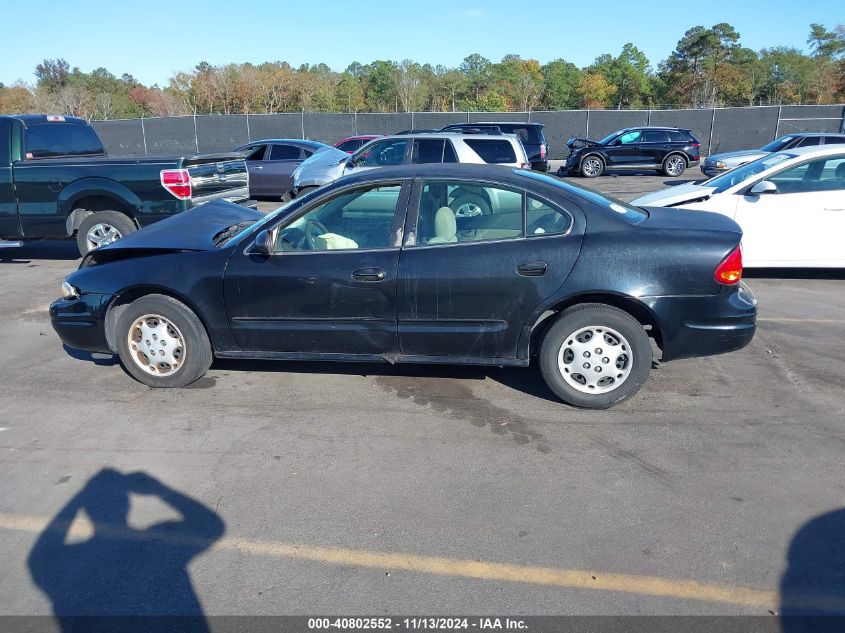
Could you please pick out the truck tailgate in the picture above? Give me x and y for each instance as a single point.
(213, 179)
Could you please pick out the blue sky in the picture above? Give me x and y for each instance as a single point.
(153, 39)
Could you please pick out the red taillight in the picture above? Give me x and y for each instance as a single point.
(729, 272)
(542, 150)
(177, 182)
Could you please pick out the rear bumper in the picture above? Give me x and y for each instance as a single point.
(80, 322)
(704, 326)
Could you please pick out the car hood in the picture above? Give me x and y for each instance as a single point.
(327, 158)
(191, 230)
(673, 196)
(746, 155)
(578, 142)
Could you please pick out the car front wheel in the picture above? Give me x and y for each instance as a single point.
(162, 343)
(595, 356)
(592, 167)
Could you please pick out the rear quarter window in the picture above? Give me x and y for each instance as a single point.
(43, 140)
(492, 151)
(526, 133)
(678, 137)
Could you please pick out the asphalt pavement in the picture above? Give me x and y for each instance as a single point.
(307, 488)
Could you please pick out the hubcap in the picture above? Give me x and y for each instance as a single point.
(592, 166)
(595, 359)
(157, 345)
(102, 234)
(468, 210)
(675, 166)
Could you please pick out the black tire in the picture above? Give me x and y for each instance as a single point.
(586, 316)
(119, 222)
(674, 165)
(195, 356)
(469, 201)
(592, 166)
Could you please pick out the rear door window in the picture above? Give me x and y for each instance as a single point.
(492, 150)
(810, 141)
(655, 136)
(526, 133)
(457, 212)
(284, 152)
(427, 151)
(541, 218)
(834, 140)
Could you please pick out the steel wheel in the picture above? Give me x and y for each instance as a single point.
(156, 344)
(675, 166)
(592, 167)
(595, 359)
(101, 234)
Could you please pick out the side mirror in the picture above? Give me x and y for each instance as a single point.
(263, 243)
(349, 163)
(764, 186)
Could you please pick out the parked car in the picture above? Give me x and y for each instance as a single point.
(56, 181)
(790, 205)
(404, 132)
(271, 162)
(724, 161)
(379, 266)
(531, 135)
(668, 150)
(353, 143)
(412, 149)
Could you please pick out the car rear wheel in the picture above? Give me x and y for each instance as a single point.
(674, 165)
(103, 228)
(595, 356)
(162, 343)
(592, 167)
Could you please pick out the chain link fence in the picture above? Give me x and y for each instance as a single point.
(718, 130)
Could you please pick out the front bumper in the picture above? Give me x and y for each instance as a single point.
(708, 325)
(711, 170)
(80, 322)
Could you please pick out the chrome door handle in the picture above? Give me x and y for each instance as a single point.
(532, 269)
(258, 167)
(368, 274)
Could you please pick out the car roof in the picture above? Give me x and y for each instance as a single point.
(454, 135)
(815, 150)
(32, 119)
(533, 123)
(361, 137)
(474, 171)
(802, 134)
(291, 141)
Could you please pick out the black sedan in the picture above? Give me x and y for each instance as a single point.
(271, 162)
(382, 266)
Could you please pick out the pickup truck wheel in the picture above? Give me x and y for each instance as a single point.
(101, 228)
(162, 343)
(595, 356)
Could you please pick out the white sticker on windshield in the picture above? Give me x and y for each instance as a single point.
(618, 208)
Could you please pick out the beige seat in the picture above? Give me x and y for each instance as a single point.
(445, 227)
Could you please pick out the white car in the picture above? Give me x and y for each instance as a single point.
(411, 149)
(790, 205)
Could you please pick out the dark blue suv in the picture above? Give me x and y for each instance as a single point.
(668, 150)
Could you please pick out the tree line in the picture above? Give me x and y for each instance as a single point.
(708, 68)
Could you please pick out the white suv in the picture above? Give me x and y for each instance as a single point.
(412, 149)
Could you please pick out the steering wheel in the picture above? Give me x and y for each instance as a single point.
(312, 230)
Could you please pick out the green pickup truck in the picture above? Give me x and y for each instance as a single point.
(56, 181)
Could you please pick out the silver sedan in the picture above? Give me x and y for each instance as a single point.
(725, 161)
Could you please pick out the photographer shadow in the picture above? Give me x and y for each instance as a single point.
(114, 577)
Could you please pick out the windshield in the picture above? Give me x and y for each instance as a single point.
(235, 232)
(777, 145)
(610, 137)
(749, 170)
(631, 213)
